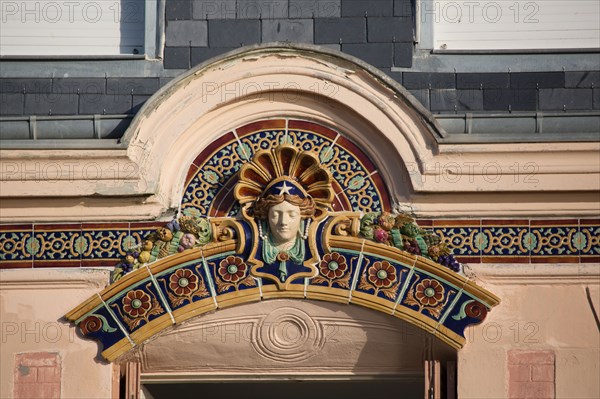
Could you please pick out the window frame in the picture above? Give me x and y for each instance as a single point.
(425, 37)
(154, 25)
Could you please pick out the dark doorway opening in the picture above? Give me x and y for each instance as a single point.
(365, 389)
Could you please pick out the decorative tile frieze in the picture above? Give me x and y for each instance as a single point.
(471, 241)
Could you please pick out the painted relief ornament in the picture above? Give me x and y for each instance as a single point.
(428, 295)
(382, 277)
(177, 235)
(333, 268)
(402, 232)
(137, 306)
(284, 193)
(183, 285)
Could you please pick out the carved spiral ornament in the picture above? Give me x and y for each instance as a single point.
(90, 324)
(476, 310)
(288, 335)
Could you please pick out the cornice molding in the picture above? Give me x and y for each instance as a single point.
(280, 81)
(52, 279)
(536, 274)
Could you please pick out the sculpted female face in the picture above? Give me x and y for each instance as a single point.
(284, 222)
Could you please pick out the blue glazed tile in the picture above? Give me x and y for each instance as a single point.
(506, 240)
(465, 312)
(184, 285)
(588, 240)
(381, 278)
(102, 243)
(428, 296)
(462, 240)
(56, 242)
(16, 246)
(555, 240)
(100, 325)
(134, 315)
(335, 270)
(230, 273)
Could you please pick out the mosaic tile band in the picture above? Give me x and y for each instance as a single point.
(471, 241)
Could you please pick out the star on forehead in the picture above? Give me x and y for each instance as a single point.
(284, 189)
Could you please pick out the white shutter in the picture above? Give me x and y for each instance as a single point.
(71, 27)
(514, 25)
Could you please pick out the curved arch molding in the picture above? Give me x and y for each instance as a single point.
(150, 299)
(357, 252)
(357, 182)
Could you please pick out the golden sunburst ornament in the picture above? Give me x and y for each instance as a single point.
(284, 163)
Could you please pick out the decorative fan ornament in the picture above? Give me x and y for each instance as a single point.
(284, 170)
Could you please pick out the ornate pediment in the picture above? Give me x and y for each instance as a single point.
(283, 209)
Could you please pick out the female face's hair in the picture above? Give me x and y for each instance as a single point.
(262, 206)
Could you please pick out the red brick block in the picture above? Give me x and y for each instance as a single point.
(37, 359)
(519, 356)
(37, 391)
(519, 373)
(543, 373)
(37, 375)
(26, 374)
(530, 374)
(51, 390)
(48, 374)
(531, 390)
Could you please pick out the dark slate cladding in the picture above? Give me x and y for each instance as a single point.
(138, 102)
(51, 104)
(30, 85)
(371, 8)
(582, 79)
(212, 9)
(105, 104)
(314, 8)
(340, 30)
(403, 55)
(132, 85)
(177, 58)
(376, 54)
(262, 9)
(233, 33)
(404, 8)
(509, 100)
(541, 80)
(178, 9)
(79, 85)
(201, 54)
(482, 80)
(379, 32)
(389, 29)
(421, 80)
(397, 76)
(565, 99)
(11, 104)
(422, 96)
(287, 30)
(186, 33)
(450, 100)
(596, 99)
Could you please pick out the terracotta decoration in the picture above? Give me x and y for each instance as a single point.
(283, 219)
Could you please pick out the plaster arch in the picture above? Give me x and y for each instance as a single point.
(282, 81)
(287, 338)
(340, 260)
